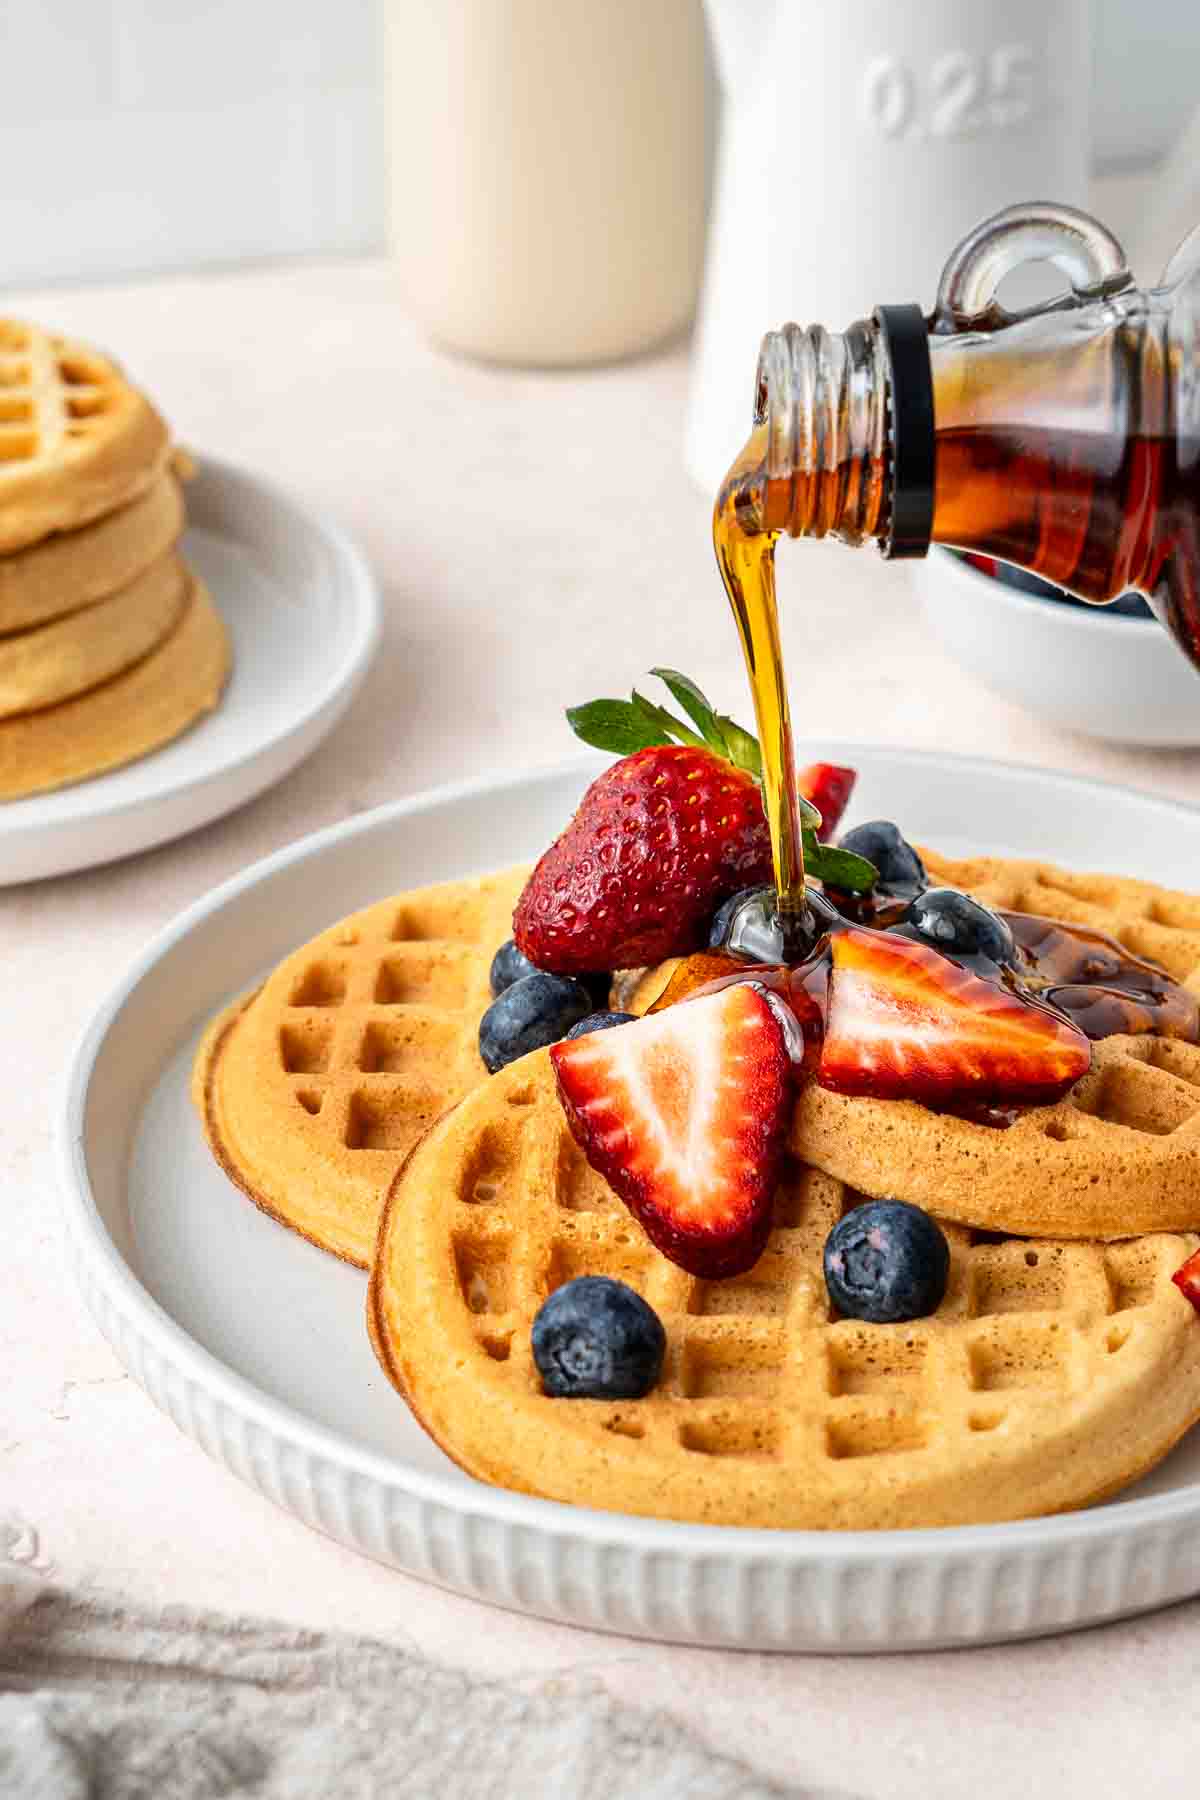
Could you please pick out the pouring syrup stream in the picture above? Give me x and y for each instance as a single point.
(746, 558)
(1089, 981)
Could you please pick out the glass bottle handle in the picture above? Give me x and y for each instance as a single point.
(1084, 250)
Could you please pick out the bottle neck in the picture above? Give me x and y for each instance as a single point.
(823, 403)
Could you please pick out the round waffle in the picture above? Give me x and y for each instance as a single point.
(69, 656)
(76, 568)
(314, 1089)
(135, 712)
(1119, 1156)
(1051, 1375)
(76, 440)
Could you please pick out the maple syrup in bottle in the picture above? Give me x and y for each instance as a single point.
(1064, 439)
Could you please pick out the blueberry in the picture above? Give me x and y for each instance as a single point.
(885, 1262)
(960, 927)
(600, 1021)
(722, 919)
(508, 965)
(901, 871)
(748, 924)
(595, 1339)
(535, 1011)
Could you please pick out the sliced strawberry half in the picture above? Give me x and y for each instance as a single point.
(829, 787)
(1187, 1279)
(684, 1115)
(906, 1024)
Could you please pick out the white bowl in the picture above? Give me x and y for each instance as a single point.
(1085, 669)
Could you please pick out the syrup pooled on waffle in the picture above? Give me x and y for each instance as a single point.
(1119, 1152)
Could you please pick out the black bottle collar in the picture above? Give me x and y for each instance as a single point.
(906, 340)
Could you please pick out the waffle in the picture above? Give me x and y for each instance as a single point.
(1119, 1156)
(314, 1089)
(76, 440)
(42, 667)
(76, 568)
(134, 713)
(1051, 1375)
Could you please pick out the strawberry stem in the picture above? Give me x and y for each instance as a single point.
(626, 726)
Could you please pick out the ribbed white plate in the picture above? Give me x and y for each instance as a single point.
(254, 1342)
(302, 609)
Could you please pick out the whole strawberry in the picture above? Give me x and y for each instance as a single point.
(659, 840)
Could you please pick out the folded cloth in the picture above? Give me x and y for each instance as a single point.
(99, 1701)
(22, 1570)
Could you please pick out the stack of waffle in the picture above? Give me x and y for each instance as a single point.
(347, 1098)
(109, 644)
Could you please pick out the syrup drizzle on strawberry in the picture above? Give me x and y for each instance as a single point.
(1083, 974)
(1082, 979)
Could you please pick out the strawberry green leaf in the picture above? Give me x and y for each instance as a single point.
(809, 815)
(666, 723)
(696, 706)
(838, 868)
(742, 749)
(615, 725)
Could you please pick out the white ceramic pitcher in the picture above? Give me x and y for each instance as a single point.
(858, 144)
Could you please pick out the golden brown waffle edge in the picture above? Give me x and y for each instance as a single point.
(137, 711)
(76, 439)
(314, 1091)
(54, 662)
(74, 569)
(1052, 1375)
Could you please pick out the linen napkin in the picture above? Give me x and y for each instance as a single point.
(101, 1701)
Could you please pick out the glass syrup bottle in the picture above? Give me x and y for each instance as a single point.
(1064, 438)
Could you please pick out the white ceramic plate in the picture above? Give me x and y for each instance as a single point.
(303, 612)
(253, 1341)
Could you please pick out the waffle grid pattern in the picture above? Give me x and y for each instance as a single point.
(1143, 1085)
(1162, 924)
(373, 1029)
(802, 1591)
(759, 1367)
(49, 391)
(316, 1088)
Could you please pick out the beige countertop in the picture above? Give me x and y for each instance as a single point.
(538, 544)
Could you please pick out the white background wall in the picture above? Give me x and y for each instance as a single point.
(157, 134)
(151, 134)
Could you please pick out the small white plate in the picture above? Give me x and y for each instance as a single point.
(303, 612)
(254, 1342)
